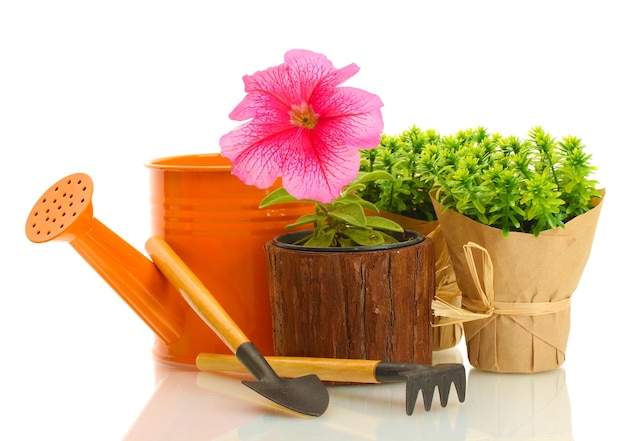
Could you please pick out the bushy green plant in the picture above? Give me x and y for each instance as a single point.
(342, 222)
(527, 185)
(399, 155)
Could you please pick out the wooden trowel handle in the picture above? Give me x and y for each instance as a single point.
(196, 294)
(327, 369)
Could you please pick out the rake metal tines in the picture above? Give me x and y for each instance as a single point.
(426, 378)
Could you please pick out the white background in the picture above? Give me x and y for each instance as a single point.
(104, 87)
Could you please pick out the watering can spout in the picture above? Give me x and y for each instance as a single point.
(65, 213)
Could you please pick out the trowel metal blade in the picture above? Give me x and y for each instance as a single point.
(305, 395)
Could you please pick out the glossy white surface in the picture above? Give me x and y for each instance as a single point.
(497, 407)
(104, 87)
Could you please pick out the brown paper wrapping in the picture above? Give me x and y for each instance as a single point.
(449, 335)
(516, 290)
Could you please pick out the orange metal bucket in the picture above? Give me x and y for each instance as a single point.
(212, 221)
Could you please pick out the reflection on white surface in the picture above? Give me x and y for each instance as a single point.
(519, 406)
(191, 405)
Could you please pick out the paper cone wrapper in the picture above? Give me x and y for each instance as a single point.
(516, 289)
(444, 336)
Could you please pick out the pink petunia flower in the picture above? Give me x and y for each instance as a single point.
(302, 127)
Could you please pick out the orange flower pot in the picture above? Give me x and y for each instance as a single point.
(212, 221)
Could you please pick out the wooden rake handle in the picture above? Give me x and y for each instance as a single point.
(327, 369)
(196, 294)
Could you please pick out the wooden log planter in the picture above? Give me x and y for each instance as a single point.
(360, 303)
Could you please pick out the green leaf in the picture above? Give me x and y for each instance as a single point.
(305, 219)
(363, 203)
(381, 223)
(344, 242)
(278, 196)
(350, 213)
(322, 239)
(363, 178)
(365, 237)
(388, 238)
(352, 188)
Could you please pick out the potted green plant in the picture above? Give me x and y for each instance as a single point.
(343, 222)
(405, 194)
(355, 285)
(352, 286)
(404, 197)
(519, 216)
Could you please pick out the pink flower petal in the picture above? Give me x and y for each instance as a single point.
(352, 115)
(316, 152)
(319, 172)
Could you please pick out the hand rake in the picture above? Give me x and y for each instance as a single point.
(417, 376)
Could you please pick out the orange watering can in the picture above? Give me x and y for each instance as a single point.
(209, 217)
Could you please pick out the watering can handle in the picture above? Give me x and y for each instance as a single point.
(196, 294)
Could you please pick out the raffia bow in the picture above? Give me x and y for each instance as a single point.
(486, 305)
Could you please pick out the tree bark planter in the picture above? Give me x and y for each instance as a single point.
(362, 303)
(446, 288)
